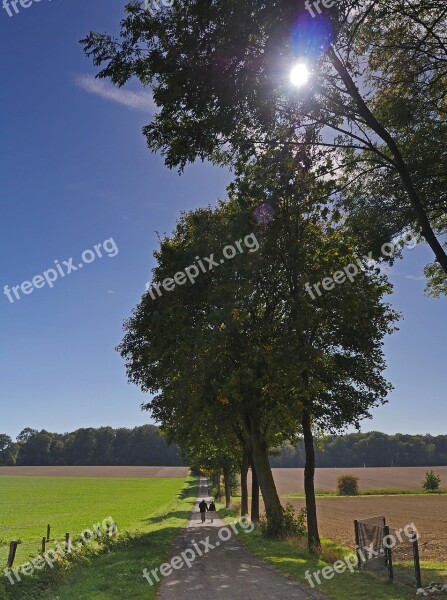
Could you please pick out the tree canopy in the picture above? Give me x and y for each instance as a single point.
(219, 72)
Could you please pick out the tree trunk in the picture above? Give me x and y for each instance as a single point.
(261, 462)
(313, 538)
(227, 484)
(254, 495)
(244, 486)
(219, 487)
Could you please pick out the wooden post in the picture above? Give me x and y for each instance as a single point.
(48, 533)
(44, 544)
(67, 543)
(12, 553)
(388, 554)
(417, 566)
(357, 544)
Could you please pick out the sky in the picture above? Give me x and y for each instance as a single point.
(75, 173)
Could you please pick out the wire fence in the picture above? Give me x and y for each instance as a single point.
(388, 552)
(19, 552)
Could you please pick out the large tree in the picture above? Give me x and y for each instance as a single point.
(248, 339)
(219, 72)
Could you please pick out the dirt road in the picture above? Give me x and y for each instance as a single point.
(227, 570)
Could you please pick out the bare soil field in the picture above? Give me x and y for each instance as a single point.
(136, 472)
(291, 481)
(428, 513)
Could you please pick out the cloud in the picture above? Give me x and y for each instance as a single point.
(140, 100)
(111, 292)
(415, 277)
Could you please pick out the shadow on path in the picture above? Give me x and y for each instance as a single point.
(225, 569)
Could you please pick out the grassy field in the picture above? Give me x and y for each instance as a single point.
(154, 512)
(28, 504)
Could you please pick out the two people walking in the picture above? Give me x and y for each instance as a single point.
(204, 508)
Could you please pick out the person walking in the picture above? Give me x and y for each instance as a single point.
(203, 508)
(212, 510)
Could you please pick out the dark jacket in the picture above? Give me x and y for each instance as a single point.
(203, 507)
(212, 507)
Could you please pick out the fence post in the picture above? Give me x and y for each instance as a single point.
(48, 533)
(12, 553)
(417, 566)
(357, 543)
(388, 553)
(44, 544)
(67, 543)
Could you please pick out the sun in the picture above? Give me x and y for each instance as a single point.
(299, 75)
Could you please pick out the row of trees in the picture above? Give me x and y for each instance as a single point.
(145, 446)
(104, 446)
(373, 449)
(246, 358)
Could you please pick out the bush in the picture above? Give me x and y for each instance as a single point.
(347, 485)
(431, 482)
(284, 525)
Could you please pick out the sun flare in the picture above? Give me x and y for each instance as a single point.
(299, 75)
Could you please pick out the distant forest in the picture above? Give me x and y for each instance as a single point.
(103, 446)
(373, 449)
(144, 446)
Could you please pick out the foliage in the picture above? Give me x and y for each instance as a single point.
(104, 446)
(348, 485)
(219, 74)
(8, 451)
(431, 482)
(289, 525)
(373, 449)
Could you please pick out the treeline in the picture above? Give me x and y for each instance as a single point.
(104, 446)
(372, 449)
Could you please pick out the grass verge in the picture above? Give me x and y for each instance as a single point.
(293, 559)
(112, 570)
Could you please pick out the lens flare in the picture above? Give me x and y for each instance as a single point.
(299, 75)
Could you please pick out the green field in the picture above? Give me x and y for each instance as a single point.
(28, 504)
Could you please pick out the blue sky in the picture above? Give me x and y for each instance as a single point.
(75, 171)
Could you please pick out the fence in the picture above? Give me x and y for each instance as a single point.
(397, 561)
(40, 546)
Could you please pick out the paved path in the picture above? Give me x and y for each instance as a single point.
(227, 572)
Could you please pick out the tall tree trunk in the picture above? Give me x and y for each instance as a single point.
(219, 486)
(313, 538)
(244, 485)
(254, 494)
(261, 462)
(227, 483)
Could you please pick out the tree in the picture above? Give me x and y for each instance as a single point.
(219, 74)
(431, 482)
(302, 359)
(8, 451)
(102, 452)
(36, 449)
(25, 434)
